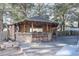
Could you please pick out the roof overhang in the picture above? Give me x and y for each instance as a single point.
(33, 20)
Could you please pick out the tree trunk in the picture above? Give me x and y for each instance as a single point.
(1, 22)
(78, 24)
(63, 25)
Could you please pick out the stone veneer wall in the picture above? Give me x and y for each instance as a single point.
(28, 37)
(12, 32)
(24, 37)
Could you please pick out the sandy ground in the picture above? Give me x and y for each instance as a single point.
(9, 52)
(41, 48)
(35, 49)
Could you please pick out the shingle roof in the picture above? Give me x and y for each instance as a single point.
(44, 18)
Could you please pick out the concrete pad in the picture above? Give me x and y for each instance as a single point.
(67, 50)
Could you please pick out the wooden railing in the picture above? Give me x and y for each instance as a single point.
(40, 36)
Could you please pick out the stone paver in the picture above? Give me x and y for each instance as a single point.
(9, 52)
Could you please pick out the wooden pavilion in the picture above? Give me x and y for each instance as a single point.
(37, 28)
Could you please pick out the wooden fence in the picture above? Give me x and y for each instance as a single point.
(67, 33)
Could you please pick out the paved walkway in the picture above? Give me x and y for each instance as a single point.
(43, 49)
(51, 48)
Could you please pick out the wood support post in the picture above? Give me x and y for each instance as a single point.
(24, 27)
(47, 27)
(32, 26)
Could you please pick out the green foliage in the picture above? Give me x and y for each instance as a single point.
(60, 11)
(20, 11)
